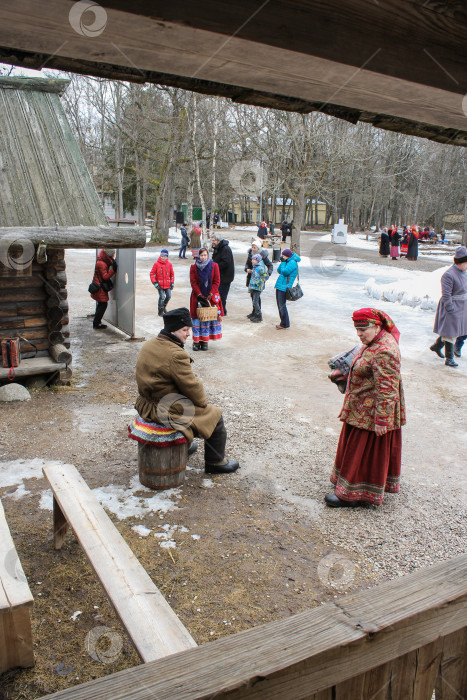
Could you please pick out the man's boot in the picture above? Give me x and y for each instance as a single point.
(203, 345)
(250, 316)
(457, 348)
(257, 318)
(226, 466)
(196, 346)
(192, 448)
(436, 347)
(449, 349)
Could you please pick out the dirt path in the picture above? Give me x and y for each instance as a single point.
(252, 547)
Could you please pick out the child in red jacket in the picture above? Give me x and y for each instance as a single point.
(162, 277)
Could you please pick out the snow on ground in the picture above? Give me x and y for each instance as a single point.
(354, 240)
(121, 501)
(421, 289)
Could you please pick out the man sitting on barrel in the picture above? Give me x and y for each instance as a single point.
(169, 392)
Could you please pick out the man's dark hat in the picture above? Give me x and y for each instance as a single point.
(460, 256)
(176, 319)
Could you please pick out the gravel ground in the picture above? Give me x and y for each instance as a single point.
(268, 547)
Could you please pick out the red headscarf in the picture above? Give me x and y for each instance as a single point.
(372, 317)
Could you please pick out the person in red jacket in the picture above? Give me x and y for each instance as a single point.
(204, 280)
(106, 267)
(162, 277)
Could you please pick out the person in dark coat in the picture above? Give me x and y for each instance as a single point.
(286, 230)
(106, 267)
(395, 239)
(223, 256)
(184, 242)
(384, 248)
(451, 314)
(171, 394)
(412, 251)
(263, 230)
(257, 247)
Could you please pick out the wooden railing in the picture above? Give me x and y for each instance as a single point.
(402, 640)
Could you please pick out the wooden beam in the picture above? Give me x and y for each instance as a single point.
(308, 55)
(76, 236)
(12, 82)
(306, 653)
(34, 365)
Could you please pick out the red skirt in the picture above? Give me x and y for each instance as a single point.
(367, 465)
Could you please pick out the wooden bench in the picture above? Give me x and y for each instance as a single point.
(152, 625)
(15, 601)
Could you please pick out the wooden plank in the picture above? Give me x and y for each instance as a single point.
(150, 622)
(452, 680)
(336, 73)
(303, 654)
(34, 365)
(79, 236)
(13, 581)
(15, 639)
(60, 526)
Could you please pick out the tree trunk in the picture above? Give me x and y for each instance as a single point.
(214, 154)
(196, 160)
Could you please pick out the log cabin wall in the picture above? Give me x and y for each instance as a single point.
(34, 305)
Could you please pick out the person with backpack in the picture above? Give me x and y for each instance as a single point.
(162, 277)
(106, 267)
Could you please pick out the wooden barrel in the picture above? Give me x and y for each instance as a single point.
(162, 467)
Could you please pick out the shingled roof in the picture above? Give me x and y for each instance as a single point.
(44, 180)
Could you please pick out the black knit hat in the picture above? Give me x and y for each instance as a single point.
(176, 319)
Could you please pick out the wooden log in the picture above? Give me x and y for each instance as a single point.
(55, 255)
(52, 268)
(452, 680)
(29, 354)
(15, 268)
(23, 322)
(162, 467)
(79, 236)
(54, 314)
(55, 300)
(20, 282)
(60, 353)
(28, 333)
(57, 325)
(56, 337)
(65, 375)
(12, 309)
(39, 343)
(32, 294)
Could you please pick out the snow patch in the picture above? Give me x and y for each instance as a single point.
(123, 502)
(422, 291)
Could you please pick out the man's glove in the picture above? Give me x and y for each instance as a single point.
(171, 286)
(156, 286)
(114, 265)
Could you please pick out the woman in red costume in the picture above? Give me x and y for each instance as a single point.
(368, 458)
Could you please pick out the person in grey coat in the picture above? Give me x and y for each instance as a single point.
(451, 314)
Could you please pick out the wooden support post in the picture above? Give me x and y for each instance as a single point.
(60, 526)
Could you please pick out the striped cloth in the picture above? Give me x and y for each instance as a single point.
(154, 434)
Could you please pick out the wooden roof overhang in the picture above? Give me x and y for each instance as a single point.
(398, 64)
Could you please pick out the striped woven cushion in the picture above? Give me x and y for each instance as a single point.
(154, 434)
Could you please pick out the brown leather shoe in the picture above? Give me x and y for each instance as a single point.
(282, 328)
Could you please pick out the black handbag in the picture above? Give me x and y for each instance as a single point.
(107, 285)
(93, 288)
(293, 293)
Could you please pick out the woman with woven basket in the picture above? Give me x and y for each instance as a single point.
(205, 302)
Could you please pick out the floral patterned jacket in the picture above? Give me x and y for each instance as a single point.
(374, 394)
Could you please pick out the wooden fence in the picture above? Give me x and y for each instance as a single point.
(402, 640)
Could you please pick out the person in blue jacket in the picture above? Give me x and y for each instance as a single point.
(288, 271)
